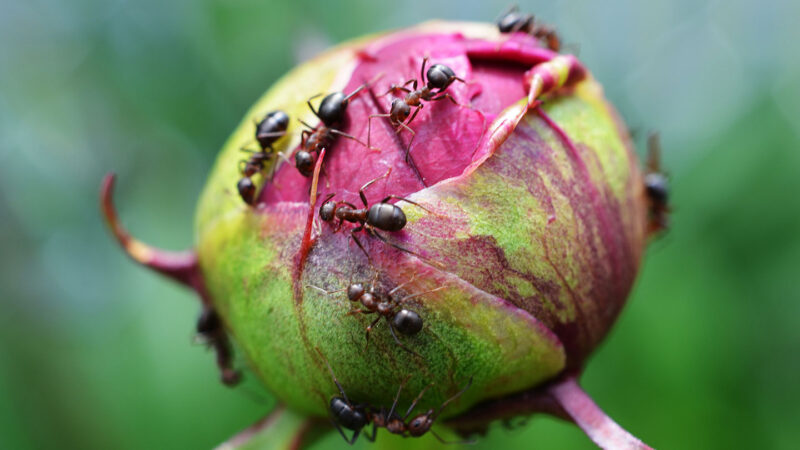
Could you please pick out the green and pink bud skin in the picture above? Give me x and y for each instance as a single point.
(526, 240)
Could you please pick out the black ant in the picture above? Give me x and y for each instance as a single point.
(209, 328)
(439, 78)
(512, 21)
(268, 130)
(331, 114)
(656, 187)
(356, 417)
(404, 321)
(380, 216)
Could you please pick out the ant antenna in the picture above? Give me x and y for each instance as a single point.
(414, 403)
(400, 286)
(409, 297)
(336, 381)
(458, 394)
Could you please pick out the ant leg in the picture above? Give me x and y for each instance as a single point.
(400, 286)
(282, 156)
(457, 394)
(349, 136)
(422, 70)
(354, 93)
(383, 238)
(222, 347)
(395, 87)
(403, 249)
(374, 433)
(275, 134)
(350, 441)
(361, 191)
(420, 294)
(311, 107)
(317, 288)
(397, 340)
(369, 127)
(369, 329)
(397, 397)
(447, 96)
(304, 137)
(396, 197)
(416, 400)
(413, 135)
(353, 235)
(305, 124)
(416, 111)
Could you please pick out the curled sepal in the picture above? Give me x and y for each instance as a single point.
(180, 266)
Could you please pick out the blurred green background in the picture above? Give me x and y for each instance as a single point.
(96, 352)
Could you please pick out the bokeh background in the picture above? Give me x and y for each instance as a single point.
(96, 352)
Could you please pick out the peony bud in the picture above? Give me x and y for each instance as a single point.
(519, 220)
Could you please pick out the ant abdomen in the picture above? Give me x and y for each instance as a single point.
(386, 217)
(304, 161)
(332, 108)
(247, 190)
(407, 322)
(440, 76)
(271, 127)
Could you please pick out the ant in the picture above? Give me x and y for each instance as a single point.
(404, 321)
(380, 216)
(512, 21)
(209, 328)
(439, 78)
(331, 114)
(268, 130)
(656, 187)
(356, 417)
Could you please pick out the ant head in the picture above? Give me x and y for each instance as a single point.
(440, 77)
(420, 424)
(349, 416)
(327, 212)
(304, 161)
(407, 322)
(332, 108)
(247, 190)
(355, 290)
(400, 109)
(657, 187)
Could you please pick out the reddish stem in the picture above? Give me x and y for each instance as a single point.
(562, 398)
(582, 410)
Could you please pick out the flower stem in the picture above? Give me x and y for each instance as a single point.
(582, 410)
(564, 399)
